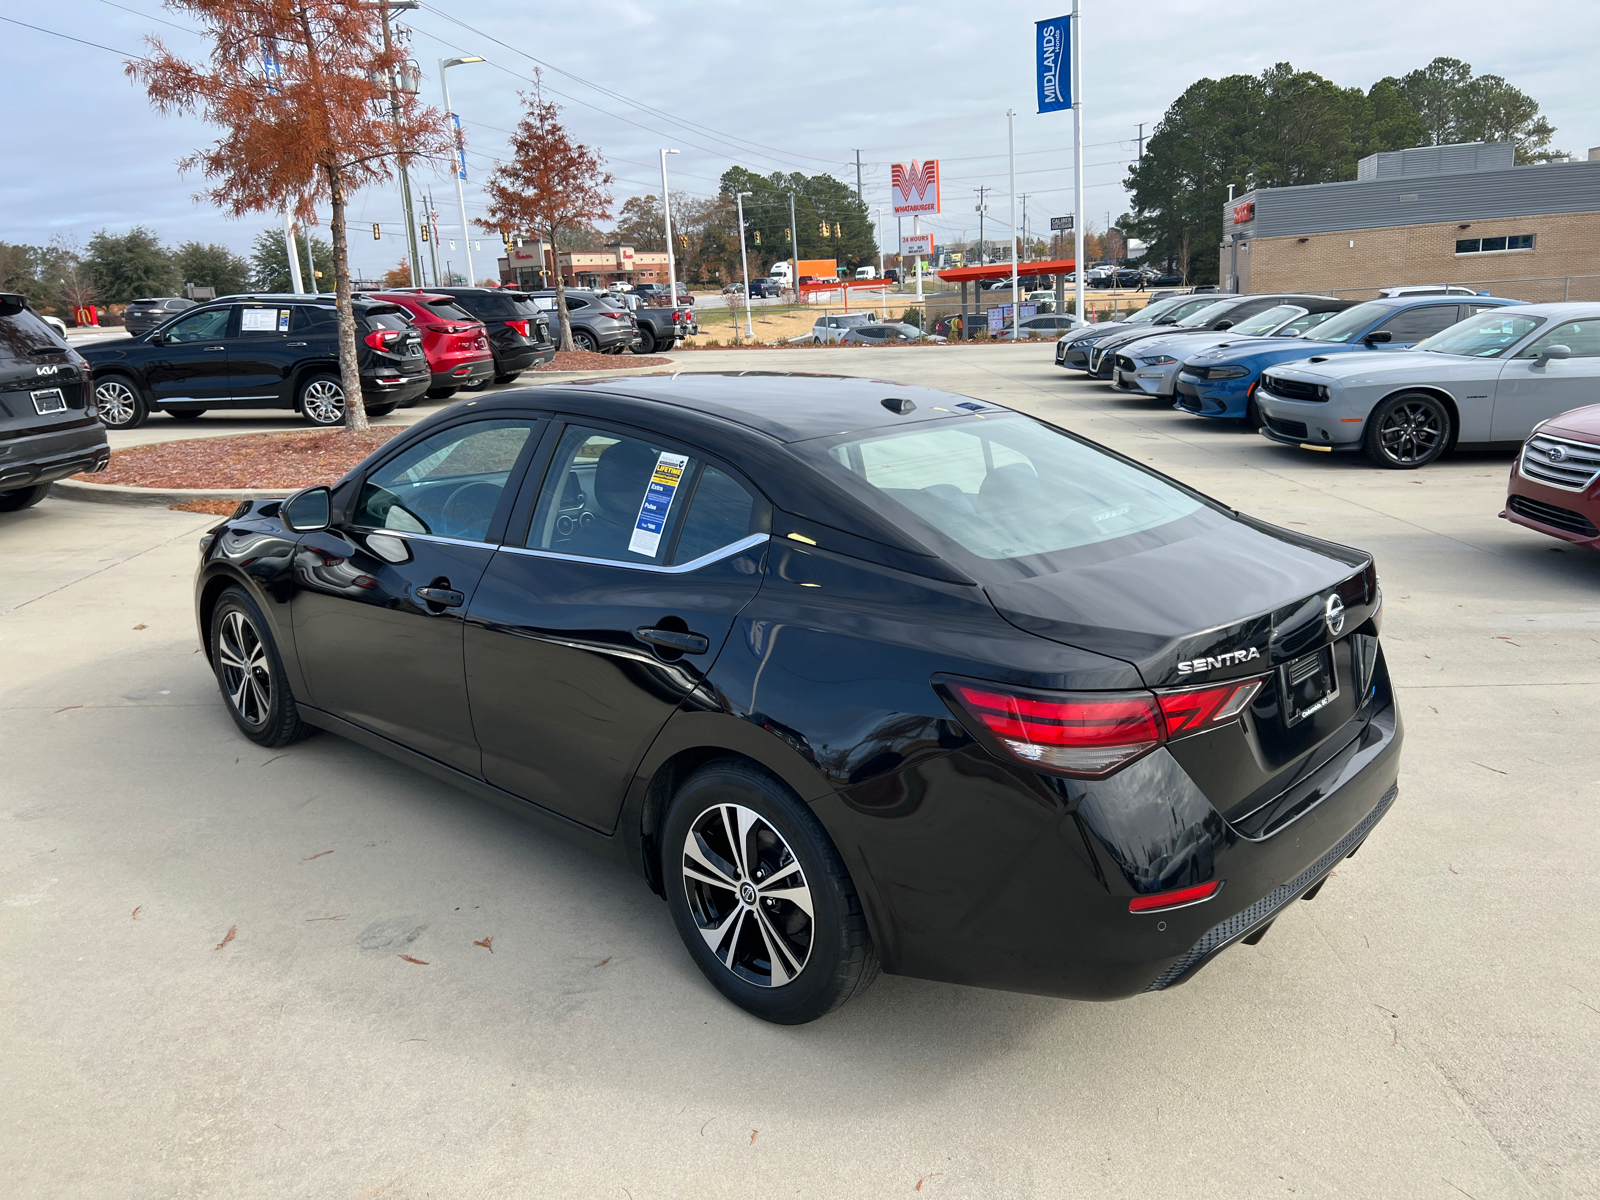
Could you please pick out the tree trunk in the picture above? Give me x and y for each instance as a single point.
(564, 336)
(355, 408)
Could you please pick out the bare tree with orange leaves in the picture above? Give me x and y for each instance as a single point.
(550, 184)
(304, 91)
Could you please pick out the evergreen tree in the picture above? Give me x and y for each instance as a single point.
(213, 266)
(269, 260)
(130, 266)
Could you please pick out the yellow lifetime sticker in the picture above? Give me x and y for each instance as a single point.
(657, 504)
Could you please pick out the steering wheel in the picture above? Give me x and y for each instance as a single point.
(469, 509)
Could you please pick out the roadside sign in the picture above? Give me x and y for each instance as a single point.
(915, 188)
(912, 245)
(1061, 223)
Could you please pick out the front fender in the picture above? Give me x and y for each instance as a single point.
(256, 556)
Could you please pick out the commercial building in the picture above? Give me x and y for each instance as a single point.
(529, 263)
(1463, 214)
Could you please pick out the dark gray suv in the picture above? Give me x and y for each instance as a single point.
(600, 322)
(141, 316)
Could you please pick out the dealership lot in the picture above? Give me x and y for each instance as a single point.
(1428, 1026)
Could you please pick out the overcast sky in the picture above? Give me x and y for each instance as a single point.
(770, 86)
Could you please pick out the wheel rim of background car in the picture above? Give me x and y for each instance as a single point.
(324, 402)
(1411, 432)
(246, 671)
(748, 895)
(116, 402)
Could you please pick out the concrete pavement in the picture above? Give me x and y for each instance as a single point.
(205, 994)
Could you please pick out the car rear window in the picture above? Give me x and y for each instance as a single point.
(388, 318)
(24, 336)
(1001, 487)
(449, 310)
(490, 307)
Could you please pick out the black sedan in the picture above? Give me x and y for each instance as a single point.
(851, 673)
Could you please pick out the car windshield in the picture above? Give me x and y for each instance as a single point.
(1003, 486)
(1351, 322)
(1204, 316)
(1153, 310)
(1298, 327)
(1265, 322)
(1482, 336)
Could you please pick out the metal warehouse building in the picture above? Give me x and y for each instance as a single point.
(1435, 214)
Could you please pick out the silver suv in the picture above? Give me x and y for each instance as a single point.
(829, 331)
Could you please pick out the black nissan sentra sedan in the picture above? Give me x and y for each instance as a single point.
(852, 673)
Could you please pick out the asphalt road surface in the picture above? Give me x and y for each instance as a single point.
(204, 991)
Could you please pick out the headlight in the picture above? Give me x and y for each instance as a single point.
(1158, 360)
(1227, 372)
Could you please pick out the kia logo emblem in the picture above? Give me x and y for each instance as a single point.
(1334, 615)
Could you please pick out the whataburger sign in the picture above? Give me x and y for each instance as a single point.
(916, 188)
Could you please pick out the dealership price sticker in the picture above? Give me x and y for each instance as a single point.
(657, 504)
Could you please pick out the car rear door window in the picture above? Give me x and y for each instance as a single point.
(1581, 337)
(448, 485)
(1414, 324)
(313, 320)
(721, 513)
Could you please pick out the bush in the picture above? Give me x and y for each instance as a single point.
(911, 316)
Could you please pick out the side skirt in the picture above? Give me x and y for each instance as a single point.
(553, 822)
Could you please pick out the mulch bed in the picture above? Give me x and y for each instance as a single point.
(217, 508)
(252, 460)
(584, 360)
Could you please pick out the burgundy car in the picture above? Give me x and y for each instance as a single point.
(454, 340)
(1555, 484)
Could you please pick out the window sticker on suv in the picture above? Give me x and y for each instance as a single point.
(264, 320)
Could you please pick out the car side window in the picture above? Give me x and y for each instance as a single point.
(720, 513)
(1414, 324)
(312, 320)
(612, 496)
(201, 327)
(256, 321)
(449, 484)
(1581, 337)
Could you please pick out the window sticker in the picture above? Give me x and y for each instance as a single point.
(283, 320)
(258, 320)
(657, 504)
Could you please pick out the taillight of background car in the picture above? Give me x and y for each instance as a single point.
(383, 339)
(520, 326)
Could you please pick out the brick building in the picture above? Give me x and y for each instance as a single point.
(529, 265)
(1435, 214)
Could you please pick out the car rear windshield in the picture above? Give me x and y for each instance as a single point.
(449, 310)
(491, 307)
(24, 336)
(1001, 487)
(388, 318)
(1482, 336)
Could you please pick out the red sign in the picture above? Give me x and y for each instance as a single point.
(1244, 212)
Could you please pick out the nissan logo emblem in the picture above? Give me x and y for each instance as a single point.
(1333, 614)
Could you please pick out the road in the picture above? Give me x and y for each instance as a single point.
(204, 991)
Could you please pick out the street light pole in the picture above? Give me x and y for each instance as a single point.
(1011, 153)
(666, 210)
(461, 154)
(744, 259)
(794, 251)
(1077, 156)
(293, 252)
(883, 284)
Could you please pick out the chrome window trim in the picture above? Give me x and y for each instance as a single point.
(748, 542)
(413, 535)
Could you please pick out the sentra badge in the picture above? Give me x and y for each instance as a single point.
(1231, 659)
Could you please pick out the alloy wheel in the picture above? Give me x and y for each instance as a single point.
(748, 895)
(246, 669)
(323, 401)
(116, 402)
(1411, 432)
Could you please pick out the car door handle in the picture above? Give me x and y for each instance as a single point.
(210, 349)
(294, 343)
(671, 639)
(441, 597)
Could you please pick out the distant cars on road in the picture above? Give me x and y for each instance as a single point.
(1555, 482)
(47, 422)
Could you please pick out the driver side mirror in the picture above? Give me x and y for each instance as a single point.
(158, 338)
(1378, 337)
(1224, 325)
(1550, 352)
(308, 510)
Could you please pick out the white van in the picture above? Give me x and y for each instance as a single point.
(866, 272)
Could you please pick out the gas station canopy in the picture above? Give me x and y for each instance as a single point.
(1050, 266)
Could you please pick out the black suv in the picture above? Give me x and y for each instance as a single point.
(47, 425)
(141, 316)
(519, 334)
(258, 352)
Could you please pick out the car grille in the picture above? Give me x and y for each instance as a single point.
(1124, 363)
(1553, 515)
(1289, 429)
(1293, 389)
(1560, 463)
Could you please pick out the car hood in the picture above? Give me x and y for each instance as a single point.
(1580, 423)
(1223, 586)
(1181, 345)
(1088, 331)
(1387, 367)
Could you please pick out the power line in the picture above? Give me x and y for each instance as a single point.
(149, 17)
(70, 38)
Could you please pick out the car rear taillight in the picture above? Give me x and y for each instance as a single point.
(520, 326)
(615, 316)
(1162, 901)
(1089, 735)
(382, 339)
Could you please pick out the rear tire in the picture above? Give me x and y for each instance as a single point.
(380, 410)
(476, 385)
(442, 393)
(120, 403)
(647, 342)
(1407, 431)
(790, 949)
(321, 401)
(22, 498)
(509, 377)
(582, 339)
(250, 675)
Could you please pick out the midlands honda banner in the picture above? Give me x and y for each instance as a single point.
(915, 188)
(1055, 64)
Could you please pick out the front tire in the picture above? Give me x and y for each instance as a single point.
(761, 897)
(250, 674)
(321, 401)
(21, 498)
(119, 403)
(1407, 431)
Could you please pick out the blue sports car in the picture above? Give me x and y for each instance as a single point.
(1221, 381)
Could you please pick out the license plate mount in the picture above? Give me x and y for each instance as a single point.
(49, 400)
(1307, 684)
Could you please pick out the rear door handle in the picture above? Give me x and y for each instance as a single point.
(210, 349)
(441, 597)
(294, 343)
(671, 639)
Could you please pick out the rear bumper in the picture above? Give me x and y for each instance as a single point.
(394, 387)
(456, 374)
(53, 454)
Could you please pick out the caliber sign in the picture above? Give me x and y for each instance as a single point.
(916, 188)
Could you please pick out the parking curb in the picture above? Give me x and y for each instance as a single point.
(111, 493)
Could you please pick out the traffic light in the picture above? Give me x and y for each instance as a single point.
(788, 236)
(424, 231)
(836, 232)
(376, 235)
(683, 241)
(758, 237)
(824, 228)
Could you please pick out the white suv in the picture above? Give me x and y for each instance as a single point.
(829, 331)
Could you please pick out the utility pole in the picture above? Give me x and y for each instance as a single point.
(744, 259)
(1026, 253)
(396, 86)
(433, 236)
(883, 285)
(666, 211)
(1011, 155)
(1141, 141)
(982, 208)
(859, 193)
(794, 251)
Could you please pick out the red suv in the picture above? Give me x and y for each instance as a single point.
(456, 343)
(1555, 486)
